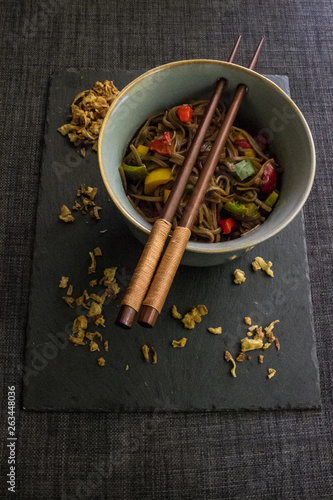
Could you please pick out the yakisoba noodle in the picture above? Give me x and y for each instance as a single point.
(235, 202)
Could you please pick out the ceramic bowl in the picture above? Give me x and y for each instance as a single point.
(265, 108)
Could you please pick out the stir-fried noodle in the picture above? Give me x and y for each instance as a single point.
(225, 185)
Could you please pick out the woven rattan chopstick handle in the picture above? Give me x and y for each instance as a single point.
(167, 269)
(146, 266)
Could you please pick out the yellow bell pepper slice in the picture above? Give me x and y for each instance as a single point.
(142, 150)
(166, 195)
(238, 135)
(249, 152)
(157, 178)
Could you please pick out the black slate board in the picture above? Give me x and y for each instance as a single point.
(59, 376)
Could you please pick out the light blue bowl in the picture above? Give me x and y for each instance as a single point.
(266, 107)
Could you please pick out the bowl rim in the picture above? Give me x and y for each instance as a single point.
(226, 246)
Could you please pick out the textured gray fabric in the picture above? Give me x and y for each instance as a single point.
(275, 455)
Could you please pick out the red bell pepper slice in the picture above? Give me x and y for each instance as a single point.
(242, 143)
(185, 113)
(268, 179)
(226, 224)
(163, 145)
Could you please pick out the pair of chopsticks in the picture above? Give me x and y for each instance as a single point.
(142, 280)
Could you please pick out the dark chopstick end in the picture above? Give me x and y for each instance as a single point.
(148, 316)
(126, 317)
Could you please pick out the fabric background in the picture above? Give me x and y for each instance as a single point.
(273, 455)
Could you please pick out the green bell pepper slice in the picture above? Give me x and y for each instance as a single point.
(241, 209)
(134, 172)
(271, 199)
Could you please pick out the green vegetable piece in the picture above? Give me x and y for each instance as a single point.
(244, 169)
(134, 172)
(251, 209)
(271, 199)
(189, 188)
(235, 207)
(241, 209)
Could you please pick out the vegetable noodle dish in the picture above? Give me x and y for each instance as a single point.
(241, 193)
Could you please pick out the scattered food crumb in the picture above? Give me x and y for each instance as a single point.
(216, 330)
(94, 309)
(109, 280)
(249, 334)
(149, 353)
(269, 329)
(266, 346)
(99, 320)
(271, 372)
(175, 313)
(78, 339)
(69, 301)
(194, 316)
(247, 320)
(239, 276)
(261, 358)
(95, 212)
(259, 333)
(259, 263)
(63, 282)
(93, 346)
(228, 357)
(179, 343)
(76, 206)
(101, 361)
(80, 323)
(106, 345)
(65, 214)
(89, 192)
(127, 367)
(92, 335)
(93, 304)
(249, 358)
(240, 358)
(86, 200)
(154, 354)
(250, 344)
(104, 231)
(92, 267)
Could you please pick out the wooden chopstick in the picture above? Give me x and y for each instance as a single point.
(159, 288)
(146, 266)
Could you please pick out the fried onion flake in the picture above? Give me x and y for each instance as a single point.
(87, 114)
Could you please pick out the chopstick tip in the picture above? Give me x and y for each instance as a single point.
(256, 54)
(234, 50)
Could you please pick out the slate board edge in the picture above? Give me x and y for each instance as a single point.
(255, 408)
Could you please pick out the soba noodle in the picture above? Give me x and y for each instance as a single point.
(223, 187)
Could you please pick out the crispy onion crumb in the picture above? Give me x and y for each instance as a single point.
(239, 276)
(179, 343)
(194, 316)
(259, 263)
(228, 357)
(216, 331)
